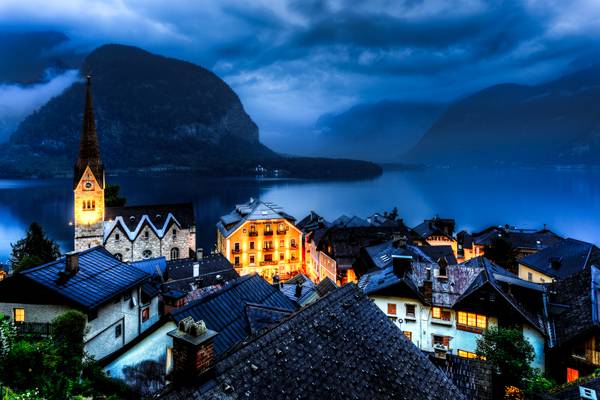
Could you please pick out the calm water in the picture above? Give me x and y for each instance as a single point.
(567, 201)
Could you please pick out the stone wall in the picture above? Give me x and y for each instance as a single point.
(34, 312)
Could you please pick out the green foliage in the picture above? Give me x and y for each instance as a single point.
(34, 249)
(111, 196)
(7, 337)
(509, 353)
(502, 253)
(538, 383)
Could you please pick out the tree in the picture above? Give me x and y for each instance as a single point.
(509, 354)
(502, 253)
(112, 198)
(34, 249)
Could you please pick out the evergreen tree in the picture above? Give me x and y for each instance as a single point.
(34, 249)
(112, 196)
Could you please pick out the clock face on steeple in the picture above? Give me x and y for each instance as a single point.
(88, 185)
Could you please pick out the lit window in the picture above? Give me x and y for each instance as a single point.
(441, 340)
(282, 243)
(391, 309)
(293, 243)
(408, 334)
(19, 315)
(473, 320)
(468, 354)
(572, 374)
(410, 310)
(439, 313)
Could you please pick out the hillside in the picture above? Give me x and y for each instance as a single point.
(553, 123)
(379, 131)
(153, 113)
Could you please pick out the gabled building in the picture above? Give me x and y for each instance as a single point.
(524, 241)
(236, 310)
(340, 347)
(574, 302)
(130, 233)
(558, 261)
(260, 237)
(313, 226)
(115, 297)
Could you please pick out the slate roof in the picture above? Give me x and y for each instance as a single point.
(563, 258)
(131, 219)
(253, 210)
(350, 222)
(380, 255)
(471, 376)
(577, 296)
(439, 252)
(325, 286)
(224, 311)
(101, 278)
(340, 347)
(312, 222)
(213, 269)
(530, 239)
(495, 277)
(152, 266)
(435, 226)
(308, 290)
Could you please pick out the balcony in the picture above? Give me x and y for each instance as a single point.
(268, 233)
(294, 246)
(264, 263)
(293, 260)
(236, 251)
(252, 233)
(268, 249)
(283, 232)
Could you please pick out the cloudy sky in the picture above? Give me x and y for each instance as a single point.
(292, 61)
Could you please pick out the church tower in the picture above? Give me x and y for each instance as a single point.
(88, 182)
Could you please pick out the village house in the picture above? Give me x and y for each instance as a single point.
(574, 304)
(313, 226)
(438, 232)
(113, 295)
(130, 233)
(558, 261)
(307, 356)
(260, 237)
(440, 308)
(236, 310)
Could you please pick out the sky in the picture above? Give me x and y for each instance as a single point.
(292, 61)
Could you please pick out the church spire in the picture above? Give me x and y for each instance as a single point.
(89, 149)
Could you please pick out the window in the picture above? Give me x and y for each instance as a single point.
(236, 261)
(252, 259)
(268, 257)
(572, 374)
(268, 244)
(293, 243)
(146, 234)
(174, 233)
(251, 245)
(118, 331)
(117, 237)
(472, 320)
(282, 243)
(267, 228)
(93, 204)
(441, 340)
(145, 314)
(410, 311)
(83, 207)
(408, 334)
(281, 256)
(174, 253)
(439, 313)
(466, 354)
(529, 276)
(281, 227)
(236, 247)
(391, 309)
(19, 314)
(119, 256)
(147, 254)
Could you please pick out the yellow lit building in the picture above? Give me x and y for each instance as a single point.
(259, 237)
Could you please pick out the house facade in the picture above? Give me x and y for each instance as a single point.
(110, 293)
(259, 237)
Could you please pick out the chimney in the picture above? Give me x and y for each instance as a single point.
(298, 292)
(193, 349)
(72, 262)
(402, 265)
(427, 288)
(200, 254)
(276, 281)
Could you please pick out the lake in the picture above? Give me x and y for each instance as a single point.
(567, 201)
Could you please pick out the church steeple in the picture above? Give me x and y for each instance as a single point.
(89, 149)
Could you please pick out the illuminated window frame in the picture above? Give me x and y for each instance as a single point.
(19, 314)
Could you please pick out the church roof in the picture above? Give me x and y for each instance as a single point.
(89, 149)
(159, 217)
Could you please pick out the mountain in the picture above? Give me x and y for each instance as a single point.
(557, 122)
(153, 113)
(376, 131)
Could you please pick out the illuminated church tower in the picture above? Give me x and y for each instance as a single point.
(88, 183)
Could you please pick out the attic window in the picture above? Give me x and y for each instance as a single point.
(146, 234)
(391, 309)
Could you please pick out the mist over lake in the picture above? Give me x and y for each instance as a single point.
(567, 201)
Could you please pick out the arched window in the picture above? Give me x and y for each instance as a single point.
(119, 256)
(93, 204)
(146, 234)
(83, 205)
(89, 204)
(147, 254)
(174, 233)
(117, 237)
(174, 253)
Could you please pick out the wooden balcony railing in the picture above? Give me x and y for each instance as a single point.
(281, 232)
(263, 263)
(253, 233)
(236, 251)
(268, 249)
(268, 233)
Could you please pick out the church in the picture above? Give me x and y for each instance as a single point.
(130, 233)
